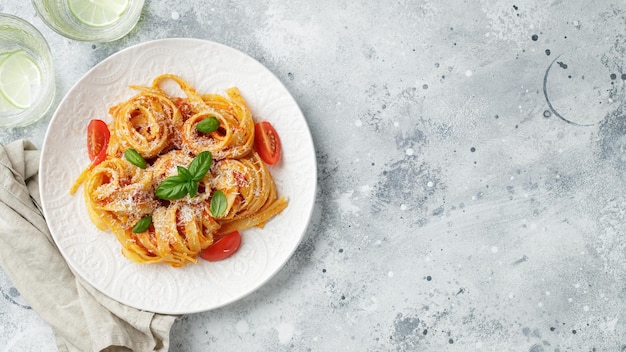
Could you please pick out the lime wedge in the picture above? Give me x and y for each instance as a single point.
(98, 13)
(19, 79)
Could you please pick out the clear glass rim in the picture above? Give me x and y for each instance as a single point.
(121, 29)
(45, 102)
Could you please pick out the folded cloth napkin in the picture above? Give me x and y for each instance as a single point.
(82, 318)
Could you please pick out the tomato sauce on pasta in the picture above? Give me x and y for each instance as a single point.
(162, 129)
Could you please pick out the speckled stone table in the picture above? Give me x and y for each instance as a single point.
(471, 161)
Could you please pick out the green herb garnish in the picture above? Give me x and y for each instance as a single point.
(218, 204)
(135, 158)
(186, 182)
(143, 224)
(208, 125)
(173, 187)
(200, 165)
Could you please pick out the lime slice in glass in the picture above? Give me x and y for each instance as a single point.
(98, 13)
(4, 103)
(20, 79)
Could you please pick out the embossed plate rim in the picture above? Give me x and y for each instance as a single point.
(63, 157)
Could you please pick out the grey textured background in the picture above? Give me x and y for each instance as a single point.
(471, 163)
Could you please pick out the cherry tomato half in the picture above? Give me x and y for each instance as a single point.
(223, 248)
(266, 142)
(97, 141)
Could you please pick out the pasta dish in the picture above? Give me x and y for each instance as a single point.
(171, 174)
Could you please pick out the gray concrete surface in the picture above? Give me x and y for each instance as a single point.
(471, 161)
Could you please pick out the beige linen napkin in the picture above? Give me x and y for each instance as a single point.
(82, 318)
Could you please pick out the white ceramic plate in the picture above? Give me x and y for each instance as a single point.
(96, 256)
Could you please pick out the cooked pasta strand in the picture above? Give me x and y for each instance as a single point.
(162, 129)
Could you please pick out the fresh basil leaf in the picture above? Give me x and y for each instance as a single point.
(183, 172)
(192, 188)
(135, 158)
(200, 165)
(142, 225)
(218, 204)
(208, 125)
(173, 187)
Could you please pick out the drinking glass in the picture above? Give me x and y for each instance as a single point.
(90, 20)
(27, 80)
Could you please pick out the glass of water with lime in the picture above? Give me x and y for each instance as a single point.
(90, 20)
(27, 80)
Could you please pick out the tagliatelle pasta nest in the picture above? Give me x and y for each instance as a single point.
(162, 130)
